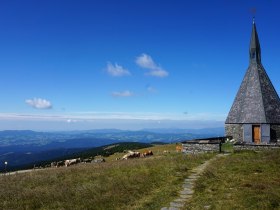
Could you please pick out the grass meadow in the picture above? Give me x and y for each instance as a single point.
(144, 183)
(241, 180)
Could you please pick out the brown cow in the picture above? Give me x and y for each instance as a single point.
(148, 153)
(179, 148)
(60, 163)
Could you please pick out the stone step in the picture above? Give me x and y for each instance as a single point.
(176, 205)
(187, 191)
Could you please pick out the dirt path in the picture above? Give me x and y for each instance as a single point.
(187, 189)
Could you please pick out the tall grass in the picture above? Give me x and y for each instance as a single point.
(243, 180)
(147, 183)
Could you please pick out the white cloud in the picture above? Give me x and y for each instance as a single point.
(151, 89)
(125, 93)
(71, 121)
(39, 103)
(158, 73)
(145, 61)
(116, 70)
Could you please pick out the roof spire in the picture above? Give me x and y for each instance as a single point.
(255, 49)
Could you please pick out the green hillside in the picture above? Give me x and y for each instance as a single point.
(104, 151)
(141, 183)
(113, 148)
(241, 180)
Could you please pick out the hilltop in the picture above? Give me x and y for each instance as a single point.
(133, 184)
(241, 180)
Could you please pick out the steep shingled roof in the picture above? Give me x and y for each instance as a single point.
(256, 100)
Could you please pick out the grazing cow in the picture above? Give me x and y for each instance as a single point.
(86, 160)
(178, 148)
(148, 153)
(131, 154)
(53, 164)
(60, 163)
(99, 160)
(72, 161)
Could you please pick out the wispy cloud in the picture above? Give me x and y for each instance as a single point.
(71, 121)
(151, 89)
(125, 93)
(145, 61)
(89, 116)
(116, 70)
(96, 120)
(39, 103)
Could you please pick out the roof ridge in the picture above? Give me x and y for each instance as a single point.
(262, 100)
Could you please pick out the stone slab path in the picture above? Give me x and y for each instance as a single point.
(188, 186)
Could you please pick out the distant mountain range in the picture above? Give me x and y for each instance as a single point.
(97, 137)
(20, 147)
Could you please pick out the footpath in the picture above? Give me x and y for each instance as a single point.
(188, 186)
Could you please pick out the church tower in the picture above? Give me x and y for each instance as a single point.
(255, 114)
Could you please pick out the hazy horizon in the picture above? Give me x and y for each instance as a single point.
(132, 125)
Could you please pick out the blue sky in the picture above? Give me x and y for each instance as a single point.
(128, 64)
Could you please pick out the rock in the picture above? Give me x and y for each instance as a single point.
(194, 176)
(185, 196)
(188, 180)
(188, 185)
(176, 205)
(186, 191)
(174, 208)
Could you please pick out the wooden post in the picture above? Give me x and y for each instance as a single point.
(6, 163)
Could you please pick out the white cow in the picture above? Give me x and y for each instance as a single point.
(72, 161)
(131, 154)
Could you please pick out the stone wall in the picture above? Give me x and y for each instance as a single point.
(255, 147)
(234, 130)
(200, 148)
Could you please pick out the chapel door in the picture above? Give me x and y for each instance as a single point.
(256, 134)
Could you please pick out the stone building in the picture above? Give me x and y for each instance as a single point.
(255, 114)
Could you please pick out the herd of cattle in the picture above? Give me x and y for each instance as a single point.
(129, 155)
(74, 161)
(133, 154)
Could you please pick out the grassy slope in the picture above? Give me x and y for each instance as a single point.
(244, 180)
(145, 183)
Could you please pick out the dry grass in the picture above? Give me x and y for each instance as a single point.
(244, 180)
(146, 183)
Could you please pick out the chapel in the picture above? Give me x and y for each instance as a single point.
(255, 113)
